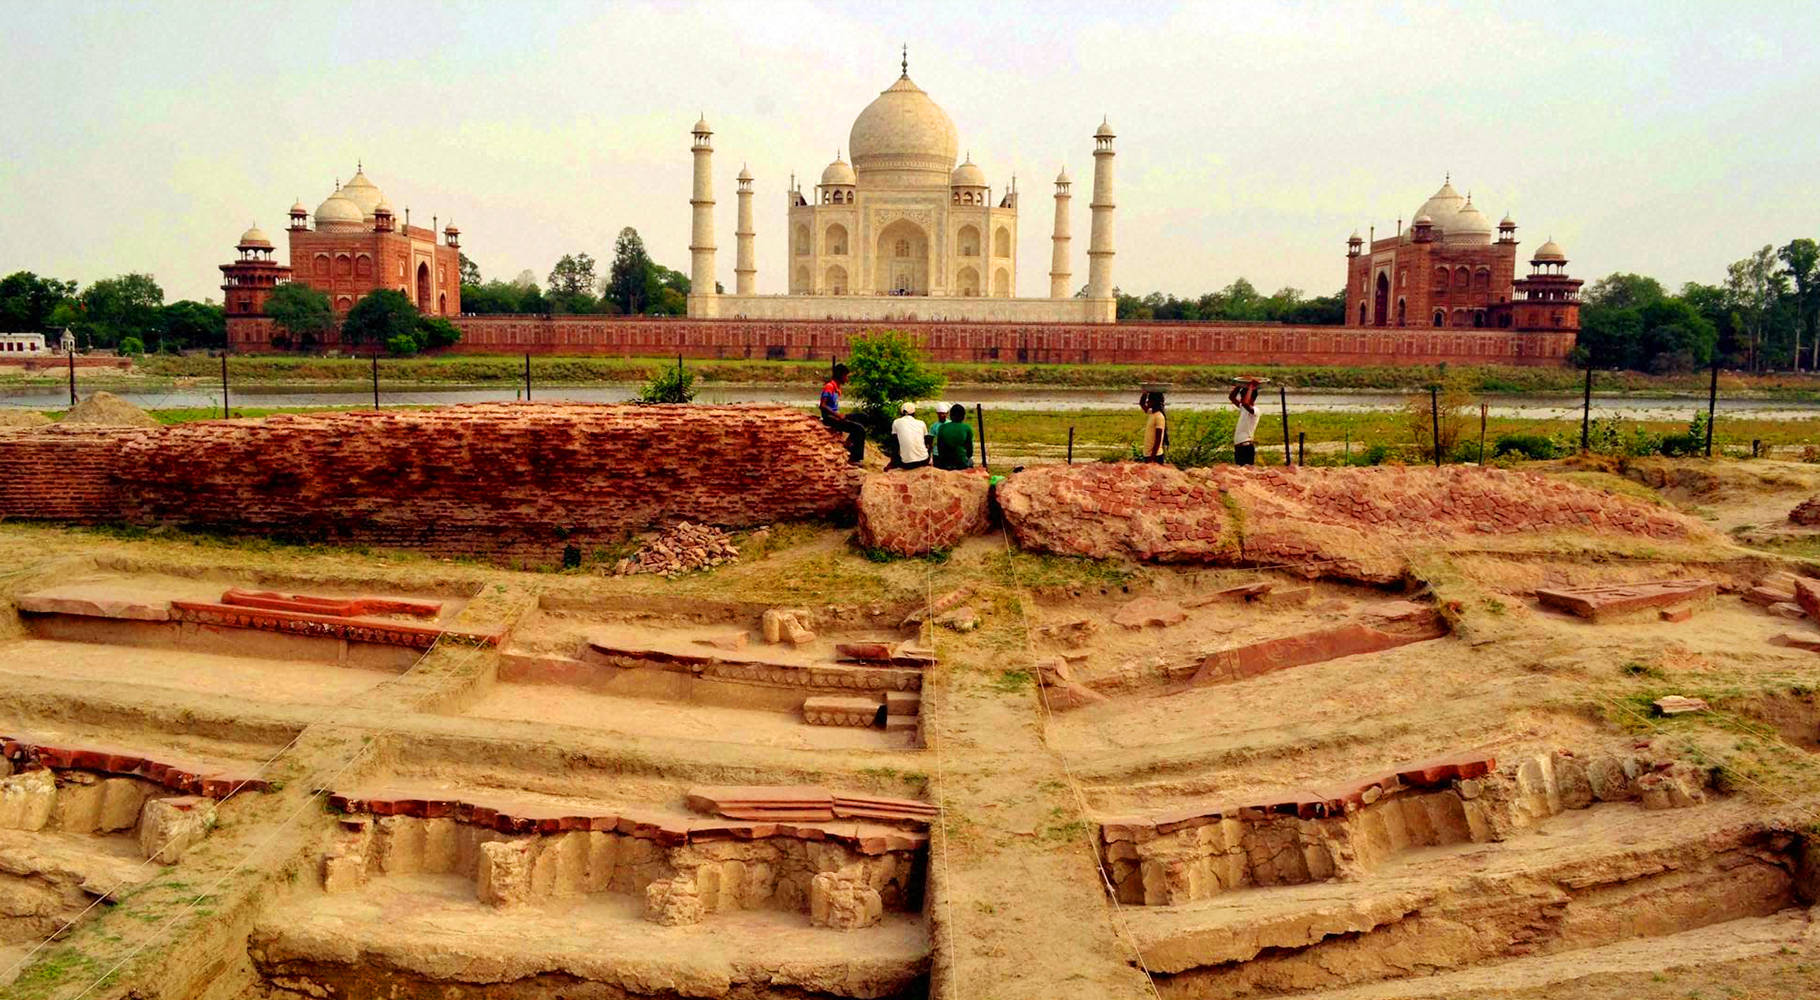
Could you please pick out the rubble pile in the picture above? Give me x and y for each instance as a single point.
(680, 549)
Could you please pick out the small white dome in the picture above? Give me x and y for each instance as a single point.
(1507, 223)
(701, 125)
(383, 208)
(967, 175)
(254, 237)
(1420, 220)
(839, 173)
(337, 209)
(744, 174)
(1355, 237)
(297, 208)
(1104, 131)
(1442, 205)
(1551, 251)
(451, 228)
(1062, 178)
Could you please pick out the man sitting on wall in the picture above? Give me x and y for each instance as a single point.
(830, 410)
(912, 439)
(954, 440)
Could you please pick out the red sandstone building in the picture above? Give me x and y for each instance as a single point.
(356, 247)
(1446, 270)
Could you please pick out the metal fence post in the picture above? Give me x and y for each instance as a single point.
(375, 376)
(1712, 402)
(1434, 410)
(224, 388)
(979, 416)
(1283, 398)
(1070, 444)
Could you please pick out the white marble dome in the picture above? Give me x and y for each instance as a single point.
(1442, 206)
(1469, 226)
(903, 130)
(254, 237)
(338, 210)
(968, 174)
(363, 193)
(1551, 251)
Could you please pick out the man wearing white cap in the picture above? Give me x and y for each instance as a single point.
(912, 439)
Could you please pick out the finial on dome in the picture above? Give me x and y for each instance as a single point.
(358, 165)
(906, 61)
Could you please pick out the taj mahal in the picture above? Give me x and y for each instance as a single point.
(902, 232)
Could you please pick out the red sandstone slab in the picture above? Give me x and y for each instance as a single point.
(345, 607)
(1798, 641)
(1318, 646)
(375, 630)
(864, 652)
(1598, 602)
(1807, 594)
(1247, 592)
(97, 601)
(210, 780)
(1767, 596)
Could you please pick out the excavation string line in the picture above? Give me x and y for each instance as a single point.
(321, 787)
(1074, 786)
(941, 774)
(235, 790)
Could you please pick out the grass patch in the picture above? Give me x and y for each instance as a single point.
(1012, 681)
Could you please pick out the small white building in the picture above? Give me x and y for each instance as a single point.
(15, 345)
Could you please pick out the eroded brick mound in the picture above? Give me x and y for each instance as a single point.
(492, 479)
(922, 510)
(1344, 523)
(1148, 512)
(1807, 512)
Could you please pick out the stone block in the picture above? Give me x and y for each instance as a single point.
(1601, 602)
(97, 601)
(1675, 704)
(731, 643)
(504, 877)
(1573, 783)
(1149, 612)
(169, 827)
(902, 703)
(671, 902)
(399, 844)
(1807, 594)
(834, 710)
(1607, 780)
(1787, 609)
(27, 800)
(78, 806)
(343, 872)
(843, 902)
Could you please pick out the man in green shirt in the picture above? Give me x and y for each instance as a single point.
(954, 440)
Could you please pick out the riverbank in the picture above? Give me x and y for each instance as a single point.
(276, 374)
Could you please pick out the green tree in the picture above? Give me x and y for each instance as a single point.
(470, 274)
(379, 318)
(629, 279)
(1622, 291)
(193, 324)
(888, 369)
(669, 384)
(573, 275)
(434, 331)
(302, 313)
(1674, 337)
(27, 301)
(132, 345)
(1755, 287)
(1802, 259)
(116, 308)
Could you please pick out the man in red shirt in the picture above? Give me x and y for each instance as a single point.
(830, 410)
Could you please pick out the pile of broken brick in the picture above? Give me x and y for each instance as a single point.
(679, 550)
(1789, 596)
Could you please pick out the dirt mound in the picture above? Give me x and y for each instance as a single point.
(22, 418)
(922, 510)
(680, 549)
(1807, 512)
(106, 408)
(1343, 523)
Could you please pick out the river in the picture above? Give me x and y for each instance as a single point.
(1532, 405)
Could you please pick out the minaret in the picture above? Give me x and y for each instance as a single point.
(744, 269)
(1099, 246)
(1059, 275)
(702, 301)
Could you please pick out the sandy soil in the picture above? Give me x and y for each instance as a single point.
(549, 703)
(283, 681)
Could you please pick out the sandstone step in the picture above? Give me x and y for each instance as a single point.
(834, 710)
(900, 703)
(901, 724)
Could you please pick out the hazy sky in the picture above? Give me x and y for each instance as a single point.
(1664, 138)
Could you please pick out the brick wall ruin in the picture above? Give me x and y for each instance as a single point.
(1160, 343)
(492, 479)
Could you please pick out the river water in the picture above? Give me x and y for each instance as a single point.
(1532, 405)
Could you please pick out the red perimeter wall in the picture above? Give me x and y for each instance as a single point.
(1025, 343)
(490, 479)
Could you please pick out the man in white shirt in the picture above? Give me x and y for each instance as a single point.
(912, 439)
(1244, 444)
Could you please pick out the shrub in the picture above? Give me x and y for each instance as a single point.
(1376, 453)
(1537, 446)
(132, 345)
(669, 385)
(888, 368)
(1453, 402)
(402, 344)
(434, 331)
(1201, 439)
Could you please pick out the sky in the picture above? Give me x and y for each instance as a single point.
(1663, 138)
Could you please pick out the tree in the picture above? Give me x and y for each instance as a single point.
(116, 308)
(573, 275)
(1674, 337)
(380, 317)
(470, 273)
(1802, 258)
(1622, 291)
(193, 324)
(434, 331)
(27, 301)
(888, 369)
(302, 312)
(629, 278)
(1755, 286)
